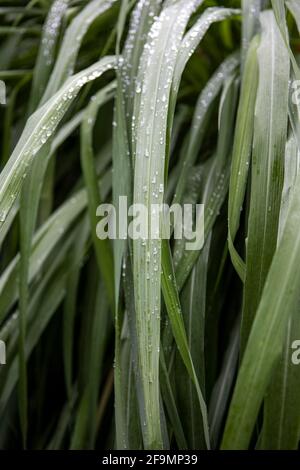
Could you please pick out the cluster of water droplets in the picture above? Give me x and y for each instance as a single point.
(152, 137)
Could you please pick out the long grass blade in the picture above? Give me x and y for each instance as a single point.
(241, 152)
(157, 66)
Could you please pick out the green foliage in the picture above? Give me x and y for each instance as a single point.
(142, 344)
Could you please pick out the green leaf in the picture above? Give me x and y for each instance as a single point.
(40, 126)
(222, 388)
(270, 131)
(251, 11)
(281, 427)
